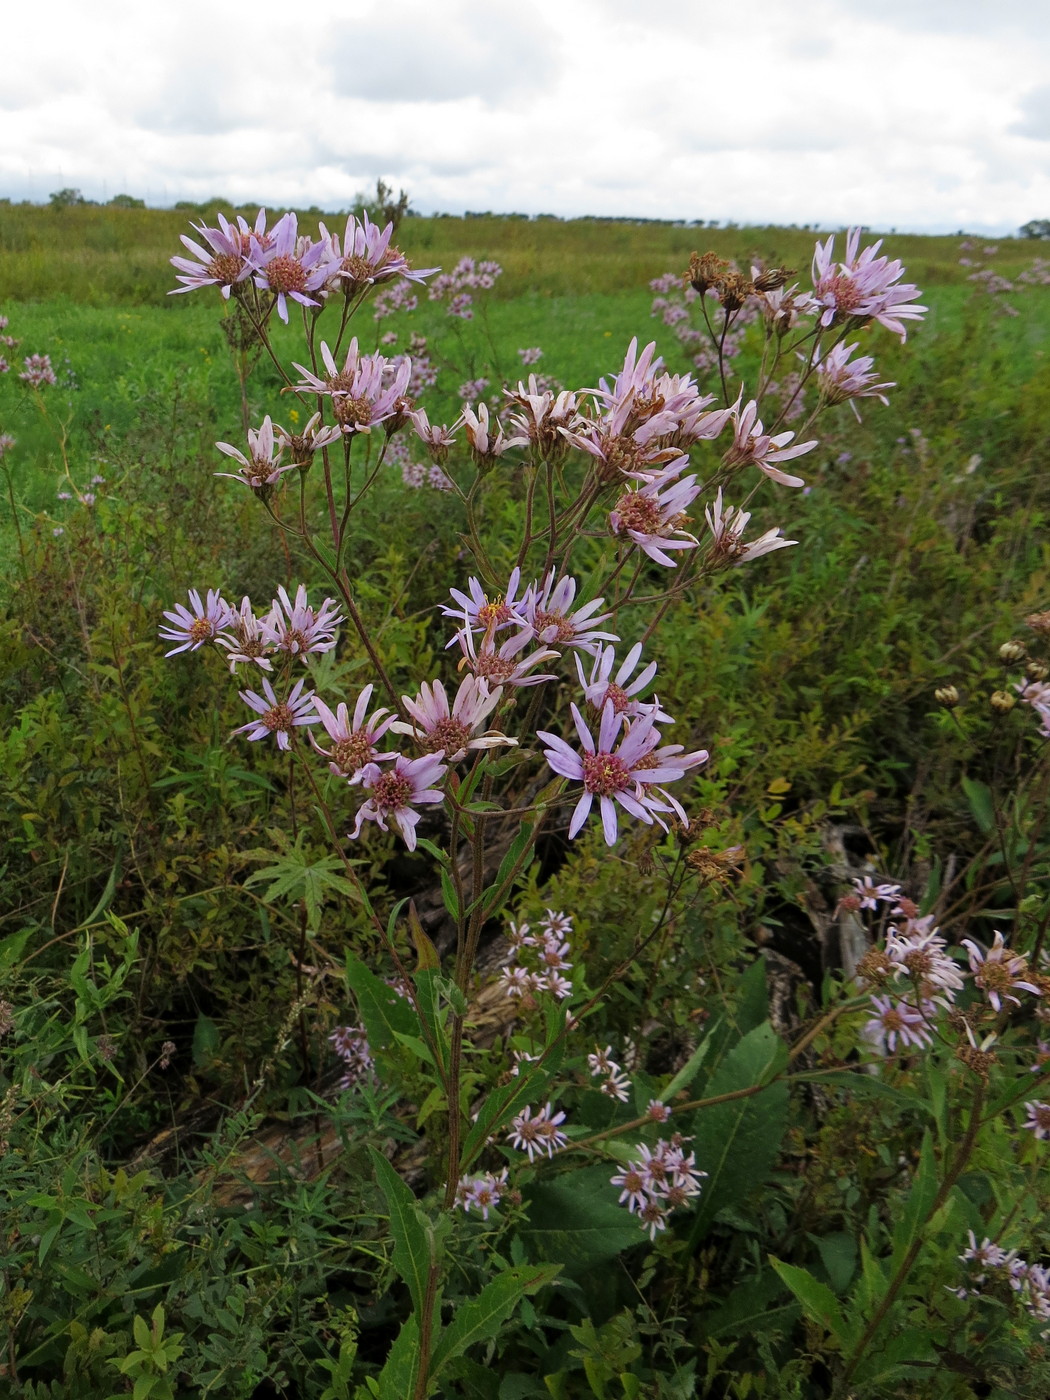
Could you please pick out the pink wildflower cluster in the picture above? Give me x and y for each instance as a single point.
(989, 1262)
(541, 960)
(615, 1083)
(864, 288)
(919, 977)
(457, 287)
(481, 1193)
(289, 266)
(537, 1131)
(658, 1181)
(364, 391)
(351, 1045)
(37, 371)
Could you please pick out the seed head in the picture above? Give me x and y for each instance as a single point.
(1012, 652)
(946, 695)
(1002, 701)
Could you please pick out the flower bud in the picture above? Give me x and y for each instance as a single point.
(1039, 622)
(773, 278)
(1011, 652)
(1003, 701)
(946, 695)
(1037, 670)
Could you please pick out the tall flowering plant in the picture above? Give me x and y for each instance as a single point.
(544, 718)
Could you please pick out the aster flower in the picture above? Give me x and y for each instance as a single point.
(921, 956)
(548, 612)
(555, 921)
(505, 665)
(486, 439)
(7, 442)
(368, 390)
(635, 1192)
(225, 262)
(352, 1047)
(1038, 1119)
(603, 686)
(544, 416)
(752, 446)
(296, 628)
(277, 717)
(864, 287)
(616, 1085)
(481, 1193)
(290, 267)
(354, 740)
(895, 1021)
(436, 437)
(262, 468)
(312, 438)
(986, 1254)
(999, 972)
(558, 986)
(478, 613)
(841, 381)
(653, 516)
(537, 1132)
(37, 371)
(727, 525)
(623, 774)
(367, 257)
(201, 622)
(656, 1111)
(871, 895)
(394, 794)
(601, 1062)
(452, 729)
(245, 642)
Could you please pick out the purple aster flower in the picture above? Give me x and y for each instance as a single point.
(654, 517)
(481, 1193)
(37, 371)
(290, 266)
(841, 381)
(863, 288)
(921, 956)
(202, 624)
(225, 263)
(606, 687)
(477, 613)
(452, 729)
(312, 438)
(278, 717)
(435, 437)
(1038, 1119)
(367, 257)
(486, 439)
(262, 468)
(505, 665)
(551, 620)
(752, 446)
(999, 972)
(394, 793)
(246, 642)
(537, 1132)
(727, 525)
(296, 628)
(895, 1021)
(354, 740)
(621, 775)
(366, 391)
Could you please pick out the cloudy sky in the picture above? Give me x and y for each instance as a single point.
(913, 114)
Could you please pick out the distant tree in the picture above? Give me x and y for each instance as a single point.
(66, 199)
(1035, 228)
(382, 208)
(127, 201)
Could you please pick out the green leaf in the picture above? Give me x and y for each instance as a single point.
(13, 946)
(688, 1072)
(413, 1243)
(838, 1254)
(397, 1379)
(574, 1219)
(480, 1318)
(736, 1143)
(385, 1013)
(510, 869)
(205, 1040)
(428, 1000)
(979, 796)
(425, 950)
(751, 1308)
(859, 1082)
(917, 1207)
(818, 1301)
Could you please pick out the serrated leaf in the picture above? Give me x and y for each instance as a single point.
(574, 1220)
(751, 1308)
(737, 1142)
(480, 1318)
(385, 1013)
(413, 1251)
(818, 1301)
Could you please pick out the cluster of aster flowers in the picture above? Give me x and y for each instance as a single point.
(989, 1264)
(351, 1045)
(542, 960)
(288, 266)
(658, 1181)
(457, 287)
(38, 372)
(614, 1082)
(537, 1131)
(481, 1193)
(919, 978)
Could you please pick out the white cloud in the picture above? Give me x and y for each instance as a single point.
(909, 114)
